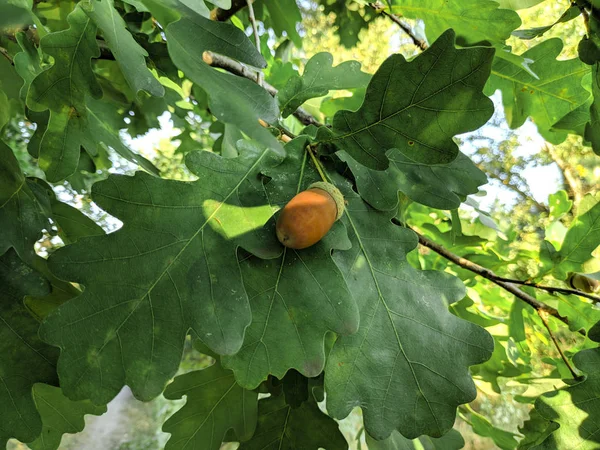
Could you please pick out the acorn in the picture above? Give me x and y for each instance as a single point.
(307, 217)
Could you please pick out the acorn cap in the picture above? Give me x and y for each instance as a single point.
(334, 192)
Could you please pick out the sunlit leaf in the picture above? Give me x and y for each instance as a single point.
(318, 78)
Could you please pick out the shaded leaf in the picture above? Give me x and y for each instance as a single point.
(104, 124)
(442, 186)
(26, 360)
(59, 415)
(382, 368)
(171, 268)
(546, 100)
(450, 441)
(281, 427)
(284, 17)
(215, 404)
(128, 53)
(232, 99)
(417, 107)
(296, 298)
(318, 78)
(22, 218)
(27, 63)
(62, 88)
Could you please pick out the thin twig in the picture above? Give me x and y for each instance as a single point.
(551, 289)
(259, 76)
(5, 53)
(490, 275)
(403, 25)
(544, 316)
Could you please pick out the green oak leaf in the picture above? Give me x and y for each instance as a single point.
(450, 441)
(27, 63)
(475, 21)
(70, 78)
(62, 88)
(295, 299)
(570, 14)
(518, 4)
(128, 53)
(441, 186)
(536, 430)
(60, 145)
(171, 268)
(383, 368)
(71, 223)
(4, 109)
(59, 415)
(215, 404)
(318, 78)
(281, 427)
(556, 92)
(483, 427)
(581, 239)
(26, 360)
(582, 314)
(575, 408)
(22, 217)
(104, 123)
(559, 204)
(592, 128)
(232, 99)
(417, 107)
(284, 17)
(295, 388)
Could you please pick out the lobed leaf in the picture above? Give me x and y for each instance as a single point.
(441, 186)
(557, 91)
(171, 268)
(26, 360)
(128, 53)
(296, 298)
(450, 441)
(417, 107)
(407, 366)
(215, 404)
(281, 427)
(59, 415)
(575, 409)
(474, 21)
(318, 78)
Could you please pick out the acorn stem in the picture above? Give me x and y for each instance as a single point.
(316, 163)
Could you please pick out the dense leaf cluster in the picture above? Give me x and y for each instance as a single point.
(298, 337)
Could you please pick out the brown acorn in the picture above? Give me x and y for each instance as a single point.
(310, 215)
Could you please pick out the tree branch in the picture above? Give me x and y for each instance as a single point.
(234, 67)
(490, 275)
(403, 25)
(552, 289)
